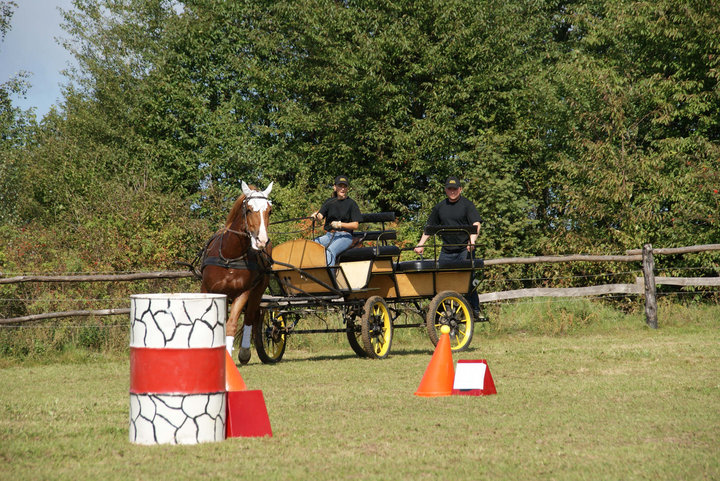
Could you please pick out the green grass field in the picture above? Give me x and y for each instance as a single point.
(610, 399)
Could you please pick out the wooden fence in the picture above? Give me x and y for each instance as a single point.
(645, 285)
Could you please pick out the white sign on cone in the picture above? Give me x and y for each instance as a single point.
(473, 378)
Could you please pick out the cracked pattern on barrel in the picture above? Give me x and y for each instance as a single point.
(177, 321)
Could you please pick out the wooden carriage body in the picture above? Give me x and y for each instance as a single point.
(370, 286)
(362, 272)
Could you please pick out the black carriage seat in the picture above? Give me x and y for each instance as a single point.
(380, 236)
(378, 217)
(431, 265)
(461, 265)
(373, 235)
(369, 253)
(416, 266)
(380, 250)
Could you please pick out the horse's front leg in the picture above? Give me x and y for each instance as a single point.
(232, 322)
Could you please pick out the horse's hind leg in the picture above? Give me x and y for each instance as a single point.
(252, 317)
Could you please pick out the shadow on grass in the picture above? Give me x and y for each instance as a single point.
(344, 356)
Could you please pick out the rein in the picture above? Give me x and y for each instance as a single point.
(238, 232)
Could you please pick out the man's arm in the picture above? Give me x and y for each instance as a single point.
(473, 237)
(419, 248)
(336, 224)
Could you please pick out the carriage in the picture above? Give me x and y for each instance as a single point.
(370, 287)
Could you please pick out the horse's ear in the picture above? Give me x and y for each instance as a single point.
(266, 192)
(246, 190)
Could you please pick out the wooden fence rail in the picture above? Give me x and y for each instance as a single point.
(56, 315)
(679, 250)
(643, 285)
(137, 276)
(553, 259)
(562, 292)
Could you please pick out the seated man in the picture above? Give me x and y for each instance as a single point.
(342, 216)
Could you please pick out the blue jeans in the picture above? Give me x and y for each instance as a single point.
(335, 243)
(463, 255)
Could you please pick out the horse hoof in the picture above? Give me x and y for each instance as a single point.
(244, 355)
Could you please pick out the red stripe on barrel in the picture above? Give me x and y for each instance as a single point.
(179, 371)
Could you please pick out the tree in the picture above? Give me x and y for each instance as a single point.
(398, 96)
(572, 122)
(641, 90)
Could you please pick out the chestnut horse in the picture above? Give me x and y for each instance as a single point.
(236, 262)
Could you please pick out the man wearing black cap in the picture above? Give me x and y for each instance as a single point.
(342, 216)
(455, 210)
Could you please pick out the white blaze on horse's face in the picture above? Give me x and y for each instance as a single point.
(258, 202)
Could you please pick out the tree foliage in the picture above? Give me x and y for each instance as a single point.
(643, 95)
(577, 125)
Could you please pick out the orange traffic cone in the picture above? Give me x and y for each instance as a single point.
(233, 379)
(438, 378)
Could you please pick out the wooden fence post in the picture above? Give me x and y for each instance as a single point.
(648, 264)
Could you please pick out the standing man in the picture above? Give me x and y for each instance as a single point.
(342, 216)
(455, 210)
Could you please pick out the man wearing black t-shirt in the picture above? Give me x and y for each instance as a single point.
(455, 210)
(342, 216)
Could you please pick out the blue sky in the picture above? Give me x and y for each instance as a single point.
(30, 45)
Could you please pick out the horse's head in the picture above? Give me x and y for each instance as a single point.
(257, 208)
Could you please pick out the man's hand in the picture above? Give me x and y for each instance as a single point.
(473, 238)
(419, 249)
(336, 224)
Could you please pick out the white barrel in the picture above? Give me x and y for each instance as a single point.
(177, 368)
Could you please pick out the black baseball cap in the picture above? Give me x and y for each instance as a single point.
(342, 179)
(452, 183)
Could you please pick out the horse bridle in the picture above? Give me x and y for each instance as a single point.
(243, 232)
(246, 209)
(241, 262)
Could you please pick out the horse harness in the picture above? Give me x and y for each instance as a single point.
(252, 260)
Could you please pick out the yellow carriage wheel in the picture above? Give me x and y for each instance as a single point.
(270, 337)
(449, 308)
(376, 328)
